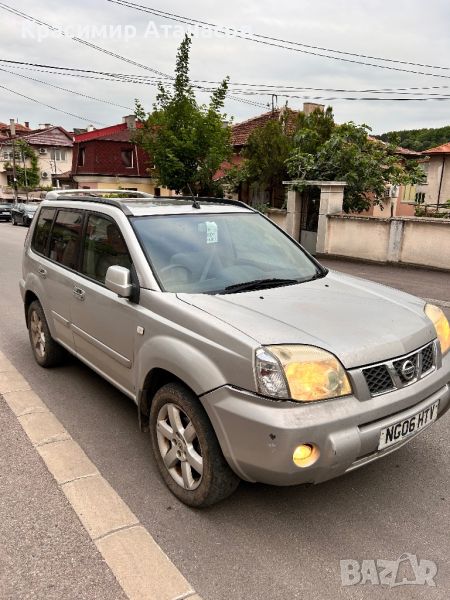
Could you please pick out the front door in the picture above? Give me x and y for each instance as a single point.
(104, 325)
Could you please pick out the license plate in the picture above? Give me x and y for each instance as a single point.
(402, 429)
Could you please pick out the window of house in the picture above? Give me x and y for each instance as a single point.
(81, 157)
(104, 247)
(65, 238)
(42, 230)
(127, 158)
(57, 154)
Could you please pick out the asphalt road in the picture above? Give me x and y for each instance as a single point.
(263, 542)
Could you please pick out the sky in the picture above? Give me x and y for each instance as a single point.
(404, 30)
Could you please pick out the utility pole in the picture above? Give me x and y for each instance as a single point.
(12, 130)
(24, 159)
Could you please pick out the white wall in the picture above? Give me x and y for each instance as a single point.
(408, 240)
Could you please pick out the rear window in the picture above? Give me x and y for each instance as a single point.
(42, 230)
(65, 238)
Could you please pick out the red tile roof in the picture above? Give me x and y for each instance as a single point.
(19, 128)
(241, 131)
(444, 149)
(98, 133)
(53, 136)
(119, 136)
(408, 152)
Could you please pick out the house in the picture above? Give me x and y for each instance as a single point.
(109, 158)
(53, 147)
(399, 200)
(253, 194)
(437, 189)
(20, 129)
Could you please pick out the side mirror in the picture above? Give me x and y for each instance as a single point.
(118, 280)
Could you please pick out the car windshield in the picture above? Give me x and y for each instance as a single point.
(30, 207)
(221, 253)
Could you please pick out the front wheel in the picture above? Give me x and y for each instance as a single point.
(186, 448)
(47, 352)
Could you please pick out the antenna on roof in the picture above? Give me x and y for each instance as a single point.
(195, 203)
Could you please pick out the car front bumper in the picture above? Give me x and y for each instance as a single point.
(258, 436)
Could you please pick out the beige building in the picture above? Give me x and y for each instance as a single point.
(53, 146)
(437, 189)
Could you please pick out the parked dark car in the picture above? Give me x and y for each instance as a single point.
(22, 214)
(5, 211)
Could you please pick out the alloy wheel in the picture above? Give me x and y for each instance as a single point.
(37, 334)
(179, 446)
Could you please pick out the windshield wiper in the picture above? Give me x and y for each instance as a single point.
(257, 284)
(323, 273)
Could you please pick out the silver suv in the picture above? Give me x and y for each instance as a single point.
(246, 358)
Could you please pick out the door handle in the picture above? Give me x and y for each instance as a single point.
(42, 272)
(79, 293)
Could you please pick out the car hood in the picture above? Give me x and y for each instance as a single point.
(359, 321)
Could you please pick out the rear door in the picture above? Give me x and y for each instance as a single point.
(56, 264)
(104, 325)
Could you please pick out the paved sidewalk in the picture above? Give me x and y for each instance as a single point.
(45, 553)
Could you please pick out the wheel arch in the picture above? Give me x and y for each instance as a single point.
(30, 297)
(155, 379)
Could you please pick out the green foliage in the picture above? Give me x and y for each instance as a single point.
(418, 139)
(187, 141)
(27, 177)
(266, 153)
(346, 153)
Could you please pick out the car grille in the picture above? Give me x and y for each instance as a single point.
(427, 359)
(378, 380)
(392, 375)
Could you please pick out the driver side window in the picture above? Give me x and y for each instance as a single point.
(104, 247)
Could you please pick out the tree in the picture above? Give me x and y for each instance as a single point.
(347, 153)
(27, 177)
(270, 146)
(418, 139)
(267, 150)
(187, 141)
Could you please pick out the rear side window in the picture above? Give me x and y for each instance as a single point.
(104, 247)
(42, 230)
(65, 238)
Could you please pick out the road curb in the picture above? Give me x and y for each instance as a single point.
(140, 566)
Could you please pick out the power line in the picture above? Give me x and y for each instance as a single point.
(66, 90)
(232, 30)
(243, 92)
(280, 43)
(103, 50)
(49, 106)
(60, 31)
(258, 87)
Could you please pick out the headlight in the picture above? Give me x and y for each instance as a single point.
(302, 373)
(441, 325)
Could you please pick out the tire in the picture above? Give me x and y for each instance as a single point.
(176, 410)
(46, 351)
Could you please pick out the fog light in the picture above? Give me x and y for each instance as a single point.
(305, 455)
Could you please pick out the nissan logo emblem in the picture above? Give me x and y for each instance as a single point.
(408, 370)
